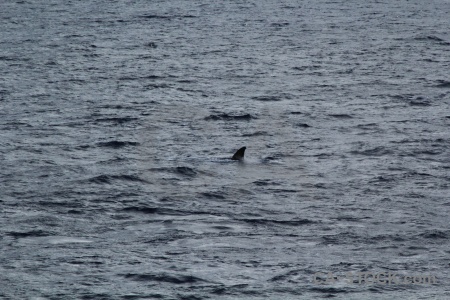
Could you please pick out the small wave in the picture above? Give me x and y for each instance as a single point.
(223, 228)
(432, 38)
(107, 179)
(329, 290)
(341, 116)
(294, 222)
(279, 24)
(129, 178)
(309, 68)
(227, 117)
(419, 103)
(274, 157)
(283, 191)
(166, 17)
(153, 210)
(157, 86)
(154, 17)
(67, 240)
(74, 80)
(265, 182)
(286, 275)
(377, 151)
(270, 98)
(101, 179)
(256, 133)
(340, 238)
(232, 289)
(180, 279)
(302, 125)
(60, 203)
(435, 234)
(349, 218)
(421, 141)
(185, 171)
(116, 120)
(403, 97)
(7, 58)
(267, 98)
(117, 144)
(383, 178)
(443, 84)
(125, 78)
(367, 126)
(115, 106)
(32, 233)
(213, 195)
(429, 37)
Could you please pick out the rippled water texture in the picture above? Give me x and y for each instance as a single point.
(118, 118)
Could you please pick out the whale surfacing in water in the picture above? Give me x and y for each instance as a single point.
(239, 155)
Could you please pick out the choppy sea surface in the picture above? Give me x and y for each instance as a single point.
(117, 119)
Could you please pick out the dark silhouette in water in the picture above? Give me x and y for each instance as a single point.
(239, 155)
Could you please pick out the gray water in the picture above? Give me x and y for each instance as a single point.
(117, 119)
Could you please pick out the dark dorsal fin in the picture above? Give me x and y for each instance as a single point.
(239, 154)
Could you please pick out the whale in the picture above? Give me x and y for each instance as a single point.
(239, 155)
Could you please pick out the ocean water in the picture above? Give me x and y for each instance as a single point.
(117, 119)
